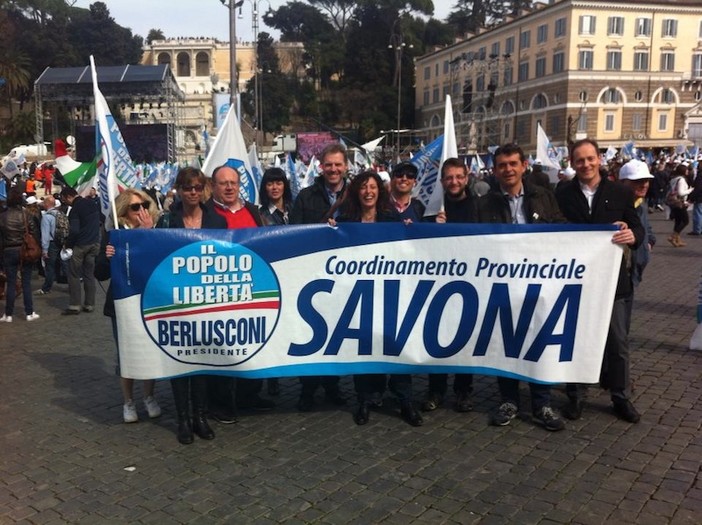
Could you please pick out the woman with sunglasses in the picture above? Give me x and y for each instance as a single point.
(189, 212)
(134, 209)
(367, 201)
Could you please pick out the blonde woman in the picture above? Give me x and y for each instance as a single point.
(134, 209)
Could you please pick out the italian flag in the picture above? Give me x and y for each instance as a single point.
(78, 175)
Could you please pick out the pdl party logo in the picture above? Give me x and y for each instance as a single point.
(211, 303)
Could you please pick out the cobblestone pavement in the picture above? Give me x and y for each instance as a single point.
(66, 456)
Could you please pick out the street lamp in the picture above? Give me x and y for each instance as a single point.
(258, 90)
(398, 44)
(232, 5)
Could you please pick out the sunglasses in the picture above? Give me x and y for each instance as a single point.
(406, 174)
(137, 205)
(197, 187)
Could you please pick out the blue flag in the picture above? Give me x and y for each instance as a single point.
(427, 162)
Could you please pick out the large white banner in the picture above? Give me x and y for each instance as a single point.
(530, 302)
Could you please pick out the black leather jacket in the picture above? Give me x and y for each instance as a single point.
(12, 227)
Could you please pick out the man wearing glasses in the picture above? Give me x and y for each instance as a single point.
(226, 201)
(460, 205)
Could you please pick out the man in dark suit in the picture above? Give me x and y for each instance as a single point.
(311, 207)
(593, 199)
(516, 201)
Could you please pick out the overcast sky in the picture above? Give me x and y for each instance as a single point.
(199, 17)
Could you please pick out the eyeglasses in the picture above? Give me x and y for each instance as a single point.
(137, 205)
(228, 183)
(405, 174)
(197, 187)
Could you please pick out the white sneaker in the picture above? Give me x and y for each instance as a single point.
(33, 316)
(129, 412)
(6, 319)
(152, 407)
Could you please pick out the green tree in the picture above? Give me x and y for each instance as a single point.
(14, 71)
(274, 88)
(87, 30)
(154, 34)
(469, 15)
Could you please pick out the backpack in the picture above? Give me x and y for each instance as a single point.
(62, 227)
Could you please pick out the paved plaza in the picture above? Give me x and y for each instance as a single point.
(66, 456)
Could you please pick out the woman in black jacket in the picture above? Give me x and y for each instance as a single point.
(189, 212)
(367, 200)
(12, 227)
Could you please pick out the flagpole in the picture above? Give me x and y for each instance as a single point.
(101, 125)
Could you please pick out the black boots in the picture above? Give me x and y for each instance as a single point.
(201, 427)
(182, 387)
(181, 397)
(410, 414)
(362, 414)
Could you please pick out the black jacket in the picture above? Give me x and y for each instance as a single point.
(12, 227)
(211, 220)
(540, 206)
(612, 202)
(312, 204)
(85, 223)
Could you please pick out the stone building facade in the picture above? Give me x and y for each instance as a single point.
(610, 70)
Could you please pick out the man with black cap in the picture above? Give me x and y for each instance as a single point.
(402, 181)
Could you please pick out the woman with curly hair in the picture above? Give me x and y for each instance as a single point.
(368, 201)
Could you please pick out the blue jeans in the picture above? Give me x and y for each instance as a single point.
(697, 218)
(12, 265)
(50, 267)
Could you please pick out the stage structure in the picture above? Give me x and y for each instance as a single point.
(147, 95)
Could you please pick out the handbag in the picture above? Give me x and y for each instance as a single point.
(672, 199)
(30, 251)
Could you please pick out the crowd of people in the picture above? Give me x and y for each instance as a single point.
(75, 247)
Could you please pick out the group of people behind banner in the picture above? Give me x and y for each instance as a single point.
(590, 198)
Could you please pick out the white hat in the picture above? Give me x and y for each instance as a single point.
(57, 203)
(32, 200)
(634, 170)
(538, 162)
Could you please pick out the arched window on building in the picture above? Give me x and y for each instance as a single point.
(202, 64)
(183, 65)
(612, 96)
(164, 58)
(540, 102)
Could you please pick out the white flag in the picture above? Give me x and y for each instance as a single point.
(449, 150)
(546, 154)
(115, 170)
(229, 149)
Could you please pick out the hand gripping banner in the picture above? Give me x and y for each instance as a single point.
(526, 301)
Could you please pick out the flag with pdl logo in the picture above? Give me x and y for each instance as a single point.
(449, 150)
(115, 170)
(229, 150)
(9, 168)
(256, 168)
(427, 162)
(546, 154)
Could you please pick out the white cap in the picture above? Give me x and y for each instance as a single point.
(32, 200)
(634, 170)
(538, 162)
(569, 172)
